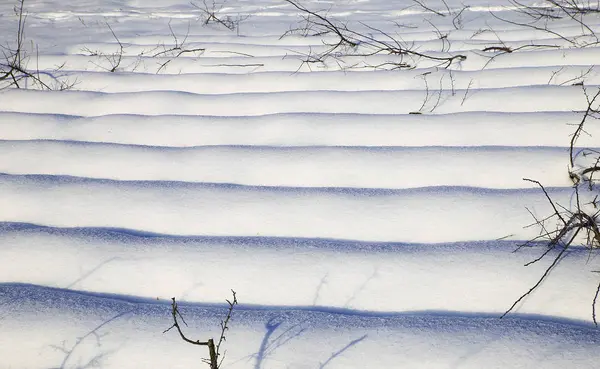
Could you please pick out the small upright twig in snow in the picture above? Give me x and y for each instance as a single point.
(213, 350)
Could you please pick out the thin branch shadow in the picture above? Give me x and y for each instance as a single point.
(270, 344)
(362, 287)
(273, 340)
(95, 333)
(322, 283)
(92, 271)
(336, 354)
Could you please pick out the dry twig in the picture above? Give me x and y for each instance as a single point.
(14, 66)
(350, 42)
(213, 350)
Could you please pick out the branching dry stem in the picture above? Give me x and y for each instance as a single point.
(213, 350)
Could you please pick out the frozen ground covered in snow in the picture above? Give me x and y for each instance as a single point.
(366, 217)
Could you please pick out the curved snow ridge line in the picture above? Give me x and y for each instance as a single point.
(490, 167)
(207, 83)
(436, 214)
(63, 15)
(518, 99)
(485, 129)
(126, 237)
(225, 50)
(477, 60)
(514, 37)
(510, 33)
(455, 44)
(338, 278)
(225, 39)
(117, 332)
(53, 299)
(245, 47)
(170, 65)
(427, 41)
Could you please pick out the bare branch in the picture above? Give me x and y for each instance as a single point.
(350, 42)
(14, 70)
(213, 350)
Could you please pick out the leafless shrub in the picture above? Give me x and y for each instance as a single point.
(572, 8)
(582, 171)
(350, 42)
(15, 60)
(541, 18)
(116, 60)
(178, 48)
(213, 350)
(577, 224)
(457, 20)
(210, 14)
(501, 48)
(113, 59)
(423, 5)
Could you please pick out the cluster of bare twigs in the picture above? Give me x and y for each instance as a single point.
(548, 18)
(165, 53)
(556, 9)
(178, 49)
(114, 60)
(210, 14)
(351, 42)
(456, 14)
(214, 351)
(540, 18)
(15, 60)
(578, 224)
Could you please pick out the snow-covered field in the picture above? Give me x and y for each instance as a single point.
(365, 217)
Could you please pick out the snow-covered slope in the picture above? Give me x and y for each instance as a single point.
(365, 218)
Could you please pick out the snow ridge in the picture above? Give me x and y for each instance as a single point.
(365, 218)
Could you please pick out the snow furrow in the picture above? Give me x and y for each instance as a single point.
(294, 167)
(335, 274)
(467, 129)
(518, 99)
(367, 218)
(477, 61)
(113, 330)
(206, 83)
(440, 214)
(170, 65)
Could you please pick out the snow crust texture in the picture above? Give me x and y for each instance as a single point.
(365, 217)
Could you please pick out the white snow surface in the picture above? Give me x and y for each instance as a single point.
(366, 218)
